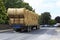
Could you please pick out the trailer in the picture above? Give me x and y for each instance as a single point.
(22, 19)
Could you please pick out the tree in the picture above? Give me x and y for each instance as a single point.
(3, 16)
(52, 22)
(57, 19)
(17, 4)
(12, 3)
(45, 17)
(27, 6)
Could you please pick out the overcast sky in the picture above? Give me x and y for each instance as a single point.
(40, 6)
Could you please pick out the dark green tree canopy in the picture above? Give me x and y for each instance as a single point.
(17, 4)
(3, 15)
(26, 5)
(45, 17)
(52, 22)
(57, 19)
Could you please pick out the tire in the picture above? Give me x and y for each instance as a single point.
(17, 30)
(29, 29)
(37, 27)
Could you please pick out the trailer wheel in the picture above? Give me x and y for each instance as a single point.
(29, 29)
(37, 27)
(16, 30)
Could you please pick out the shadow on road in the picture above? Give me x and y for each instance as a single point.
(52, 32)
(39, 31)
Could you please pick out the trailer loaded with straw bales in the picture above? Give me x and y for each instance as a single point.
(22, 19)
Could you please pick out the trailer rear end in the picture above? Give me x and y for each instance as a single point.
(22, 19)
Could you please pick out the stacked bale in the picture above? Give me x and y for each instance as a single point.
(15, 11)
(11, 21)
(26, 15)
(32, 21)
(21, 21)
(16, 15)
(22, 16)
(16, 20)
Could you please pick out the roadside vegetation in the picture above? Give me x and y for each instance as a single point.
(45, 19)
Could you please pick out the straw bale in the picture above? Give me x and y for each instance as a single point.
(30, 18)
(21, 21)
(16, 20)
(11, 21)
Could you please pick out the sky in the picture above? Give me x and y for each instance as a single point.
(41, 6)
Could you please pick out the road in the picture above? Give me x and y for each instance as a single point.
(41, 34)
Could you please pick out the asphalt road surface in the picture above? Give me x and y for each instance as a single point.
(41, 34)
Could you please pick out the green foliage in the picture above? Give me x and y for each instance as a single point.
(12, 3)
(27, 6)
(3, 16)
(52, 22)
(45, 17)
(2, 21)
(17, 4)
